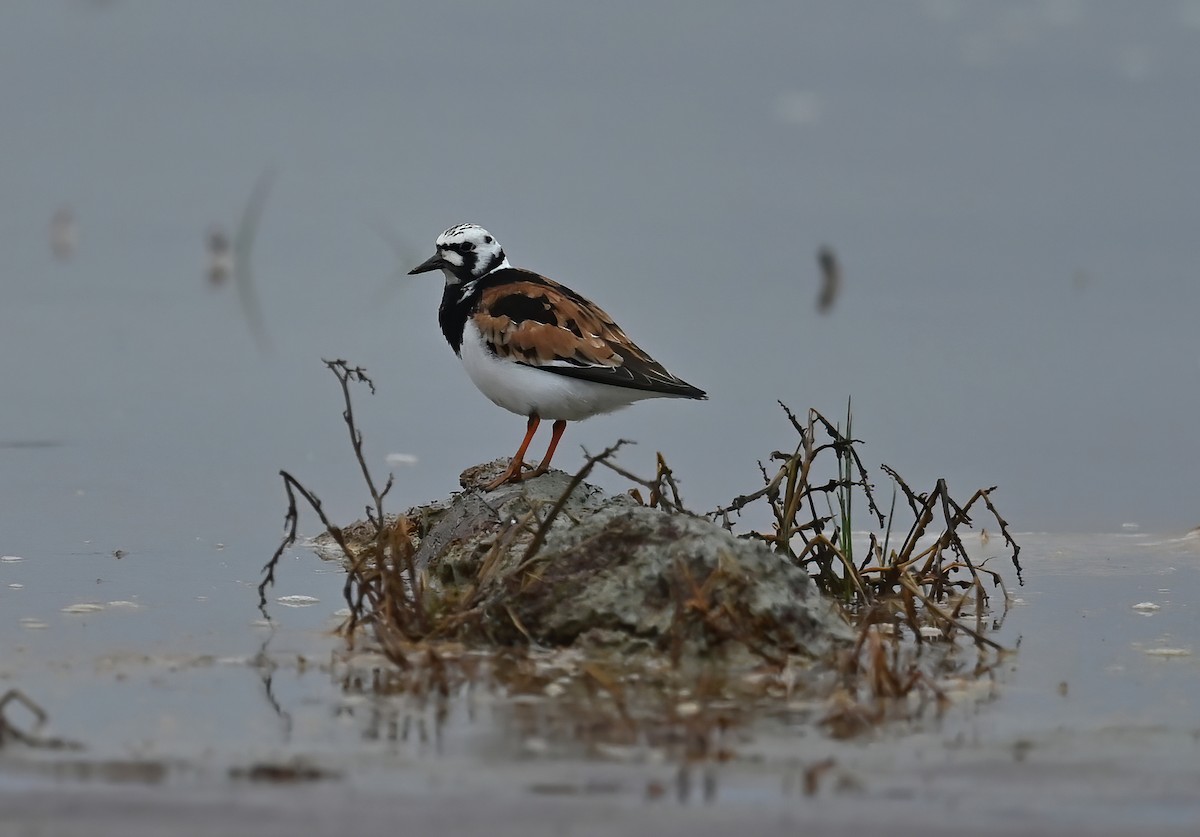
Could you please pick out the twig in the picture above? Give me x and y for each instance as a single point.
(291, 520)
(663, 476)
(11, 732)
(540, 535)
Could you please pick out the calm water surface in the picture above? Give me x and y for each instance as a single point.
(1011, 190)
(1091, 723)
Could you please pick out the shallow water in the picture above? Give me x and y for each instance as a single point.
(1092, 724)
(1010, 189)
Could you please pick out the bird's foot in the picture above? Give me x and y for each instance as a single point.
(516, 472)
(511, 474)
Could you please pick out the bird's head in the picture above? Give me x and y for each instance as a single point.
(464, 252)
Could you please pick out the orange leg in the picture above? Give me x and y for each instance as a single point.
(544, 465)
(513, 473)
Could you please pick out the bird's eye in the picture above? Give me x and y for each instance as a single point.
(468, 246)
(487, 239)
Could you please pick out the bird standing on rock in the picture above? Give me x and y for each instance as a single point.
(535, 347)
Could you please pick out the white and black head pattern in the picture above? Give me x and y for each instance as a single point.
(464, 253)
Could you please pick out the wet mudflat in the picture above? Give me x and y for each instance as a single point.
(1090, 727)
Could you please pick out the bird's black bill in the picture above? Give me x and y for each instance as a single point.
(434, 262)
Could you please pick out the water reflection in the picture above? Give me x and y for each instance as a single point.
(226, 260)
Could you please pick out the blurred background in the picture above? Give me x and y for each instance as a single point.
(1011, 191)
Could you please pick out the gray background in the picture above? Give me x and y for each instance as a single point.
(1011, 188)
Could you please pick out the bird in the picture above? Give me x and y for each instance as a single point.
(534, 346)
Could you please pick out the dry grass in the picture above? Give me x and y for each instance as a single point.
(902, 591)
(812, 505)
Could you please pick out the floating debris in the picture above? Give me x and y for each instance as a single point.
(831, 279)
(10, 559)
(297, 601)
(29, 737)
(286, 773)
(687, 709)
(83, 607)
(234, 661)
(1168, 652)
(1147, 606)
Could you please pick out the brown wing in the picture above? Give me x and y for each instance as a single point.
(539, 322)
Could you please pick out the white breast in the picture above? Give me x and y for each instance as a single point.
(526, 390)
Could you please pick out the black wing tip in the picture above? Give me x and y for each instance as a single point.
(670, 387)
(679, 389)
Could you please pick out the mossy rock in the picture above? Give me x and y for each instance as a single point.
(612, 574)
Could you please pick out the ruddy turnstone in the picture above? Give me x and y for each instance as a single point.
(535, 347)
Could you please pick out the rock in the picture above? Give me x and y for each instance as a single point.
(610, 573)
(674, 584)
